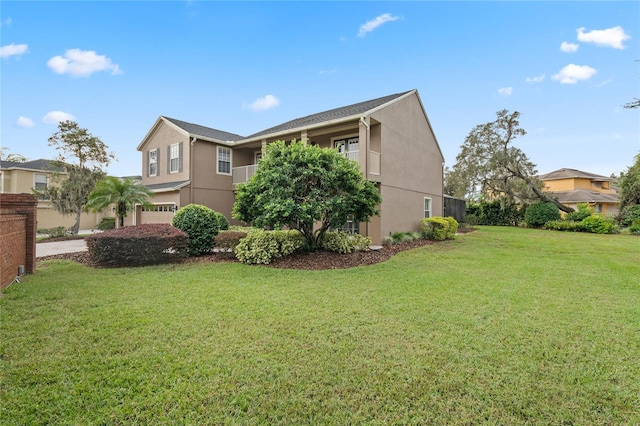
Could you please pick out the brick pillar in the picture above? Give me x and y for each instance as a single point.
(25, 204)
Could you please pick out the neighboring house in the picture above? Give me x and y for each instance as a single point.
(18, 178)
(571, 186)
(390, 137)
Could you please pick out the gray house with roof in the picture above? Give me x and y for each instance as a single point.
(390, 137)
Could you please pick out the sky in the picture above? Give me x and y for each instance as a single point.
(114, 67)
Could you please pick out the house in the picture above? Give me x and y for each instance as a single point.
(571, 186)
(21, 178)
(390, 137)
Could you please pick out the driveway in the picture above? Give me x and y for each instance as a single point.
(60, 247)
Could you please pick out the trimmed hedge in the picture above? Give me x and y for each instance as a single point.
(140, 245)
(228, 240)
(201, 224)
(264, 246)
(341, 242)
(538, 214)
(438, 228)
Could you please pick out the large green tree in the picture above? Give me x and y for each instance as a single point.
(630, 185)
(81, 157)
(306, 188)
(123, 194)
(489, 166)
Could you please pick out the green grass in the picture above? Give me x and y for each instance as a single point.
(501, 326)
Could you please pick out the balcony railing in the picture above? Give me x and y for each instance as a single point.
(242, 174)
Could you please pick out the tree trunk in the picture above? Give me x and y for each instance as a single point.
(76, 225)
(545, 197)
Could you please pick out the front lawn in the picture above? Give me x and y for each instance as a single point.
(500, 326)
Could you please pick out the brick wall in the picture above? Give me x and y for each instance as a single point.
(17, 235)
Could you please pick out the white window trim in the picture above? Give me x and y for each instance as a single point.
(338, 138)
(218, 161)
(46, 178)
(149, 162)
(430, 206)
(171, 158)
(255, 156)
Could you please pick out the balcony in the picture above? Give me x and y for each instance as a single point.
(242, 174)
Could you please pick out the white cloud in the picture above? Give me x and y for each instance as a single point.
(572, 73)
(375, 23)
(611, 37)
(536, 79)
(25, 122)
(505, 91)
(13, 49)
(6, 21)
(267, 102)
(82, 63)
(333, 71)
(569, 47)
(54, 117)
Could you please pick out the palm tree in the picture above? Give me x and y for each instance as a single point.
(124, 193)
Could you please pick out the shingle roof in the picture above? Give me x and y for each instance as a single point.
(202, 131)
(584, 196)
(573, 173)
(332, 114)
(40, 164)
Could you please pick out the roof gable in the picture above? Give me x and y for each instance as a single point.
(203, 132)
(330, 115)
(566, 173)
(40, 164)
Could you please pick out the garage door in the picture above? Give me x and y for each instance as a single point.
(159, 213)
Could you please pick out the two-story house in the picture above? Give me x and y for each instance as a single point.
(390, 137)
(19, 178)
(571, 187)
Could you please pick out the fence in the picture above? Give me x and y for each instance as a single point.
(17, 236)
(455, 207)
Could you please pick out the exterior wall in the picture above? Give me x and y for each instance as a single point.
(164, 136)
(412, 165)
(17, 236)
(49, 218)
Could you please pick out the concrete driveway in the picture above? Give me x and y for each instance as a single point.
(60, 247)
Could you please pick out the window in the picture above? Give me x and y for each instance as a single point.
(258, 156)
(224, 160)
(348, 147)
(174, 158)
(152, 162)
(427, 207)
(598, 208)
(351, 227)
(40, 184)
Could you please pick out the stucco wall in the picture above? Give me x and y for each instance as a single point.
(164, 136)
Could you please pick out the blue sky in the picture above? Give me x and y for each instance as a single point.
(241, 67)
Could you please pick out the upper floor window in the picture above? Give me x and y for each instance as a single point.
(41, 182)
(152, 162)
(348, 147)
(175, 158)
(427, 207)
(224, 160)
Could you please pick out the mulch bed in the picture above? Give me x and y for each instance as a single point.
(306, 261)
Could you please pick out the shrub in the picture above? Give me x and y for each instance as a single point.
(342, 242)
(264, 246)
(628, 215)
(223, 222)
(598, 225)
(201, 225)
(453, 227)
(494, 213)
(55, 232)
(635, 227)
(582, 213)
(228, 240)
(107, 223)
(434, 228)
(564, 225)
(538, 214)
(141, 245)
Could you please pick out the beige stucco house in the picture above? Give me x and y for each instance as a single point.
(21, 178)
(390, 137)
(571, 187)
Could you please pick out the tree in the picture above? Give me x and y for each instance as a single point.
(15, 158)
(305, 187)
(70, 192)
(123, 193)
(635, 103)
(489, 166)
(630, 185)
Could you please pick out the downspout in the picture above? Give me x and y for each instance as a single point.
(363, 120)
(191, 149)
